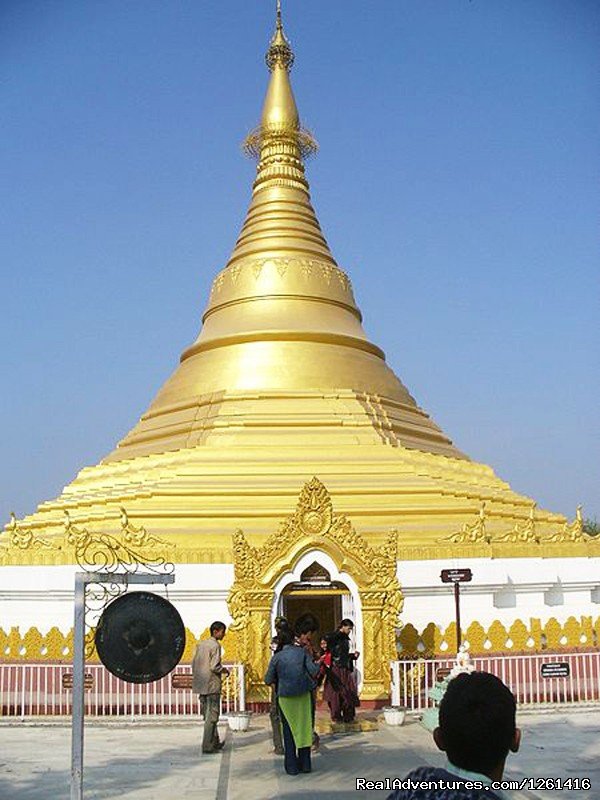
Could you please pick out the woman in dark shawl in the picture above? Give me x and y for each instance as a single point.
(340, 682)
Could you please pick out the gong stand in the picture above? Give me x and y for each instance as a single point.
(82, 579)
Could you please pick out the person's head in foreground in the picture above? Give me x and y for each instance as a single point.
(476, 731)
(477, 724)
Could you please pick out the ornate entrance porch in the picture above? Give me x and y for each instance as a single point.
(314, 535)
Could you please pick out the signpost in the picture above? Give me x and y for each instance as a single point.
(456, 576)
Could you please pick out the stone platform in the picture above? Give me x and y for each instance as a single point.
(161, 760)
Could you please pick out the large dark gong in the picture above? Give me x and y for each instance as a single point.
(140, 637)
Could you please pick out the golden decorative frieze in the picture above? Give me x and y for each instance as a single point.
(56, 646)
(572, 531)
(522, 533)
(73, 544)
(139, 537)
(261, 137)
(21, 538)
(473, 533)
(96, 551)
(522, 635)
(308, 268)
(521, 537)
(32, 645)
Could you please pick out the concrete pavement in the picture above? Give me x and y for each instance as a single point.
(161, 760)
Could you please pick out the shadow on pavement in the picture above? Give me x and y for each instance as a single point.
(102, 781)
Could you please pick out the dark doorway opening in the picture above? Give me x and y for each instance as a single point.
(316, 594)
(327, 609)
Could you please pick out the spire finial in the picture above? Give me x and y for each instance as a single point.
(280, 126)
(280, 52)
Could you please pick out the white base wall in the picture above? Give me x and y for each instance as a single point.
(42, 597)
(501, 589)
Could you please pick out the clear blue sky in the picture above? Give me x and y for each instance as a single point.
(457, 184)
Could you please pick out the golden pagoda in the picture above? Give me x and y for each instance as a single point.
(285, 448)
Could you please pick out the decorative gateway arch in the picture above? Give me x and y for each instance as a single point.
(315, 527)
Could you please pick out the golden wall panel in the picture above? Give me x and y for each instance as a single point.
(476, 636)
(521, 636)
(533, 636)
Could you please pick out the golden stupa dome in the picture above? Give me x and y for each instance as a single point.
(282, 324)
(280, 385)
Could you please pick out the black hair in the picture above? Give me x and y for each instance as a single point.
(307, 623)
(477, 721)
(345, 622)
(284, 636)
(217, 626)
(281, 622)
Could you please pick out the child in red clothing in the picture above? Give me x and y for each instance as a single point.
(325, 659)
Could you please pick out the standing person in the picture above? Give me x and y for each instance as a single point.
(207, 672)
(292, 671)
(281, 623)
(340, 685)
(477, 730)
(305, 628)
(324, 662)
(325, 657)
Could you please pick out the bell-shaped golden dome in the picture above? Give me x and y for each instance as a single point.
(283, 384)
(282, 350)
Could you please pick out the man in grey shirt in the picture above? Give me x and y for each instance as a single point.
(207, 672)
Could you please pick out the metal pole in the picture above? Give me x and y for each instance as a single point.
(81, 581)
(457, 604)
(78, 707)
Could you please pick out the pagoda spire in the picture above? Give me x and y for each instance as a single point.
(280, 143)
(280, 50)
(279, 111)
(278, 14)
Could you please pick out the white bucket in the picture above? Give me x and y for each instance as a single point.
(239, 720)
(394, 715)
